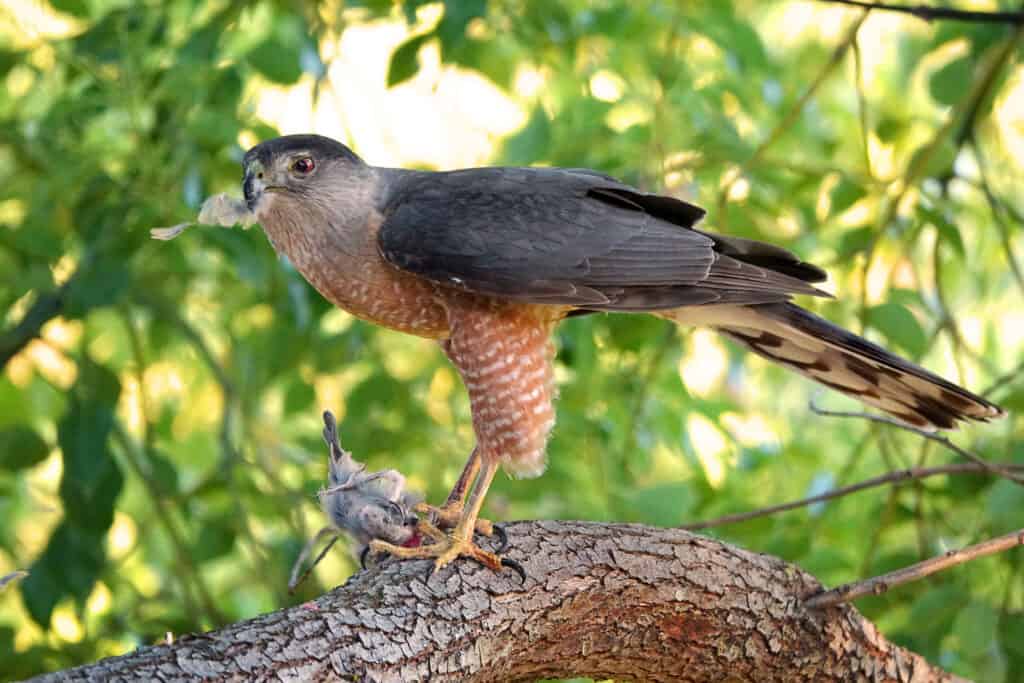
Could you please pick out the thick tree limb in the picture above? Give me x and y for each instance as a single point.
(604, 600)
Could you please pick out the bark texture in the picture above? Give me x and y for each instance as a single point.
(602, 600)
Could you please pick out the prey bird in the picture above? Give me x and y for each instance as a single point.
(487, 261)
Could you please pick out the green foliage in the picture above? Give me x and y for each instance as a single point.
(159, 402)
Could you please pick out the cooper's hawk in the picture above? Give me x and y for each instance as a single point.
(488, 260)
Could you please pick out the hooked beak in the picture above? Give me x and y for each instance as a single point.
(253, 185)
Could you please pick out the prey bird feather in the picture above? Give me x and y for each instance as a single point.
(221, 209)
(487, 261)
(366, 505)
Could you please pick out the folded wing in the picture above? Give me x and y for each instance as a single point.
(574, 237)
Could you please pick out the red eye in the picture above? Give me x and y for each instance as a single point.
(303, 165)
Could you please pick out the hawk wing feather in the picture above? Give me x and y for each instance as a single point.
(563, 236)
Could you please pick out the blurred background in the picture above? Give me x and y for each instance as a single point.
(160, 402)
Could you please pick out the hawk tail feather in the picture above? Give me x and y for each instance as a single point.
(846, 362)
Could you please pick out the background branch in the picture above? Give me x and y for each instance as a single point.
(929, 13)
(931, 436)
(897, 477)
(881, 584)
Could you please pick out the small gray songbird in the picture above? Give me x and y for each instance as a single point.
(368, 505)
(488, 260)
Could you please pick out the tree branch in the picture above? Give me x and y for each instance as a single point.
(880, 584)
(896, 477)
(928, 13)
(45, 308)
(931, 436)
(600, 600)
(792, 115)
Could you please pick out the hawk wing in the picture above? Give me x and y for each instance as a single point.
(575, 237)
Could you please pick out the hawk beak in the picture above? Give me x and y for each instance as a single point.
(252, 184)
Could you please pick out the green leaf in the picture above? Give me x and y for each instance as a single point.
(69, 566)
(632, 333)
(100, 285)
(900, 326)
(854, 241)
(163, 473)
(1005, 501)
(1013, 635)
(735, 36)
(216, 538)
(661, 504)
(935, 610)
(531, 143)
(890, 128)
(490, 58)
(452, 27)
(276, 60)
(299, 396)
(77, 8)
(404, 62)
(92, 479)
(948, 84)
(937, 161)
(1015, 401)
(106, 39)
(280, 57)
(21, 447)
(975, 627)
(948, 232)
(845, 194)
(8, 59)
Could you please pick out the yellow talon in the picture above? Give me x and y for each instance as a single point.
(459, 541)
(447, 516)
(444, 549)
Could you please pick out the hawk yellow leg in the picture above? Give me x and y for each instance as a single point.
(459, 542)
(448, 515)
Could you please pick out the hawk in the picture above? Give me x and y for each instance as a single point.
(487, 261)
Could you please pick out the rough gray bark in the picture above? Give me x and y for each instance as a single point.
(603, 600)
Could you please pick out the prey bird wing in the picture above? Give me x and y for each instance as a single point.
(578, 238)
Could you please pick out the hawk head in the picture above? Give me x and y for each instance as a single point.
(302, 167)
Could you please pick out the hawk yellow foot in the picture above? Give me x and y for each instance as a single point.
(447, 516)
(443, 550)
(465, 517)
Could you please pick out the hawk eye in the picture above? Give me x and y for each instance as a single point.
(303, 165)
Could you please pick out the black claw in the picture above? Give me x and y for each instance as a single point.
(512, 564)
(363, 555)
(502, 540)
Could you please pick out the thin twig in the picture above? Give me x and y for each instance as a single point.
(793, 115)
(862, 106)
(996, 208)
(964, 114)
(295, 579)
(1003, 380)
(880, 584)
(928, 13)
(931, 436)
(896, 477)
(183, 555)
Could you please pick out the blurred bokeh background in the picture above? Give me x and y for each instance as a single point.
(160, 402)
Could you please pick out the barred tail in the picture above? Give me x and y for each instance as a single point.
(811, 345)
